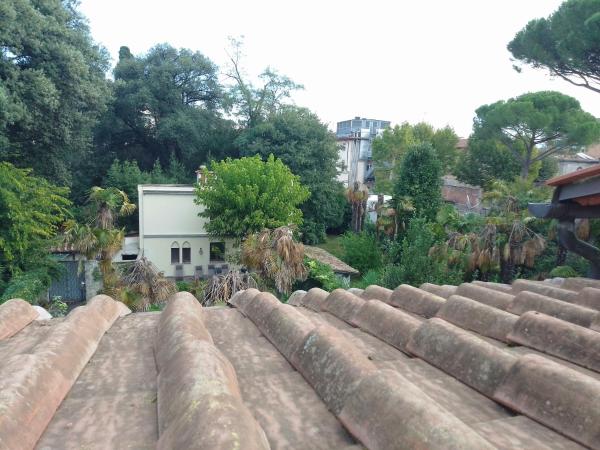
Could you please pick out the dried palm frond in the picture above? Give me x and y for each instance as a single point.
(583, 229)
(277, 257)
(145, 279)
(222, 287)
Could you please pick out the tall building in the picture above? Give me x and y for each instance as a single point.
(355, 155)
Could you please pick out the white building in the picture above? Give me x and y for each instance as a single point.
(174, 237)
(355, 155)
(573, 163)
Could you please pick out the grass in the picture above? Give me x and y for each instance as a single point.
(333, 245)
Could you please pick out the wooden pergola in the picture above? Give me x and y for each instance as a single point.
(576, 196)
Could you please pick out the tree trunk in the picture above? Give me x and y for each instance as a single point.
(525, 169)
(561, 255)
(507, 270)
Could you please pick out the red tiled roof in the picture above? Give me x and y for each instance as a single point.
(476, 366)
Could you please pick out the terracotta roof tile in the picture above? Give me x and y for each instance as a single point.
(496, 366)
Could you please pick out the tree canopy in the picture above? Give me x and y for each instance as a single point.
(419, 180)
(250, 103)
(126, 176)
(392, 145)
(566, 43)
(304, 144)
(246, 195)
(31, 211)
(52, 86)
(484, 161)
(99, 237)
(536, 125)
(166, 101)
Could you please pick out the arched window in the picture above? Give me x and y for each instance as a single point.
(175, 253)
(186, 253)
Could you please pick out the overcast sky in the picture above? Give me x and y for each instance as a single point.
(392, 60)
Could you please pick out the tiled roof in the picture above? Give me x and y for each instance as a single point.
(576, 176)
(475, 366)
(325, 257)
(594, 150)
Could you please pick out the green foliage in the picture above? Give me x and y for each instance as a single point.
(506, 243)
(321, 275)
(419, 179)
(31, 211)
(333, 244)
(312, 232)
(369, 278)
(536, 125)
(166, 105)
(416, 265)
(246, 195)
(126, 176)
(309, 149)
(484, 161)
(156, 307)
(251, 103)
(28, 285)
(566, 43)
(52, 86)
(58, 308)
(548, 169)
(361, 251)
(564, 272)
(389, 150)
(183, 286)
(392, 276)
(98, 237)
(196, 287)
(449, 219)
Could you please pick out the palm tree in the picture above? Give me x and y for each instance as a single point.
(358, 196)
(146, 285)
(99, 238)
(276, 256)
(506, 240)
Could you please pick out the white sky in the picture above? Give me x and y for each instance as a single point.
(391, 60)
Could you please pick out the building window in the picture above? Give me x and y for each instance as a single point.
(175, 253)
(217, 251)
(186, 253)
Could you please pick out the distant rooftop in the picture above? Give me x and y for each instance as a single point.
(323, 256)
(462, 144)
(356, 125)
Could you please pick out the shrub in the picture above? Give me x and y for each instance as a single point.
(392, 276)
(563, 272)
(27, 285)
(369, 278)
(361, 251)
(416, 265)
(322, 275)
(312, 232)
(58, 308)
(183, 286)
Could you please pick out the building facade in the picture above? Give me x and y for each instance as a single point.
(355, 154)
(573, 163)
(174, 237)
